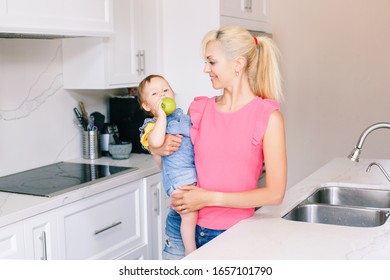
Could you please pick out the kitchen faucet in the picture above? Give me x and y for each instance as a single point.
(354, 155)
(380, 167)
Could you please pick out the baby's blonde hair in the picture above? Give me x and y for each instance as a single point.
(142, 85)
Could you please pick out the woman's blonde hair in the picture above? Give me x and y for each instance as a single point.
(260, 53)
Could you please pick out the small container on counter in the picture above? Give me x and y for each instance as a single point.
(91, 144)
(121, 150)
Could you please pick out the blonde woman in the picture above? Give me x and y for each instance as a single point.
(233, 135)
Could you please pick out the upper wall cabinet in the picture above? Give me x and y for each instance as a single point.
(251, 14)
(57, 17)
(121, 60)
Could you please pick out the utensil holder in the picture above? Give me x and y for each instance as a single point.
(91, 145)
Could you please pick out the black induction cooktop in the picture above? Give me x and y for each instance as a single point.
(57, 178)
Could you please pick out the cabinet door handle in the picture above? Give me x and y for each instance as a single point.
(44, 247)
(246, 6)
(98, 231)
(142, 70)
(141, 62)
(157, 197)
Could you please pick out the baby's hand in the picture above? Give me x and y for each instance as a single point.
(158, 110)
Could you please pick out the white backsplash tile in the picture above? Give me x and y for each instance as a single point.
(37, 122)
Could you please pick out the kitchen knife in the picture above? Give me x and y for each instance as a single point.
(83, 112)
(80, 118)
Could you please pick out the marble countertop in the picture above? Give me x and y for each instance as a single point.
(16, 207)
(267, 236)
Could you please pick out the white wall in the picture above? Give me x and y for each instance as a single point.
(182, 35)
(335, 64)
(36, 114)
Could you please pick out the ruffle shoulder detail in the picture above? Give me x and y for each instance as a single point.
(266, 107)
(196, 112)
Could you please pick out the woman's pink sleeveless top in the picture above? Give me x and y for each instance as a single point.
(228, 153)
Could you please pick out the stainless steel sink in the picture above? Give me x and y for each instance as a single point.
(338, 215)
(346, 206)
(335, 195)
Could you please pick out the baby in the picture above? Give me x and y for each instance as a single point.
(178, 169)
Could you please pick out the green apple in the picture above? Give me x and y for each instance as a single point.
(168, 105)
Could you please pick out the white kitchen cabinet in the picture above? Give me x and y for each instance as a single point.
(159, 204)
(57, 17)
(125, 222)
(140, 253)
(12, 241)
(109, 225)
(32, 238)
(121, 60)
(251, 14)
(40, 235)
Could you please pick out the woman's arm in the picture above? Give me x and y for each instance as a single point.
(274, 148)
(171, 144)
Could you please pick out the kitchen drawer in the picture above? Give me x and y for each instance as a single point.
(105, 226)
(12, 241)
(140, 253)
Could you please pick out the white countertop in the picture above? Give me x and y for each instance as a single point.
(267, 236)
(16, 207)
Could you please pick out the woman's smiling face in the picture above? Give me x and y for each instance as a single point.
(219, 67)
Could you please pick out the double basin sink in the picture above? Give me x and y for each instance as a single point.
(346, 206)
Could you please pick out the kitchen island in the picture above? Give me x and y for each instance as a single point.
(268, 236)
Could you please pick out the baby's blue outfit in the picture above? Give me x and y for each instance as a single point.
(178, 169)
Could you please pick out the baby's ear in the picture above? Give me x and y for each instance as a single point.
(145, 107)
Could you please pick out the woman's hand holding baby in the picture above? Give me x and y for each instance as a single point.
(190, 198)
(171, 144)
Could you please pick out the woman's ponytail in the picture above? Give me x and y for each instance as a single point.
(267, 80)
